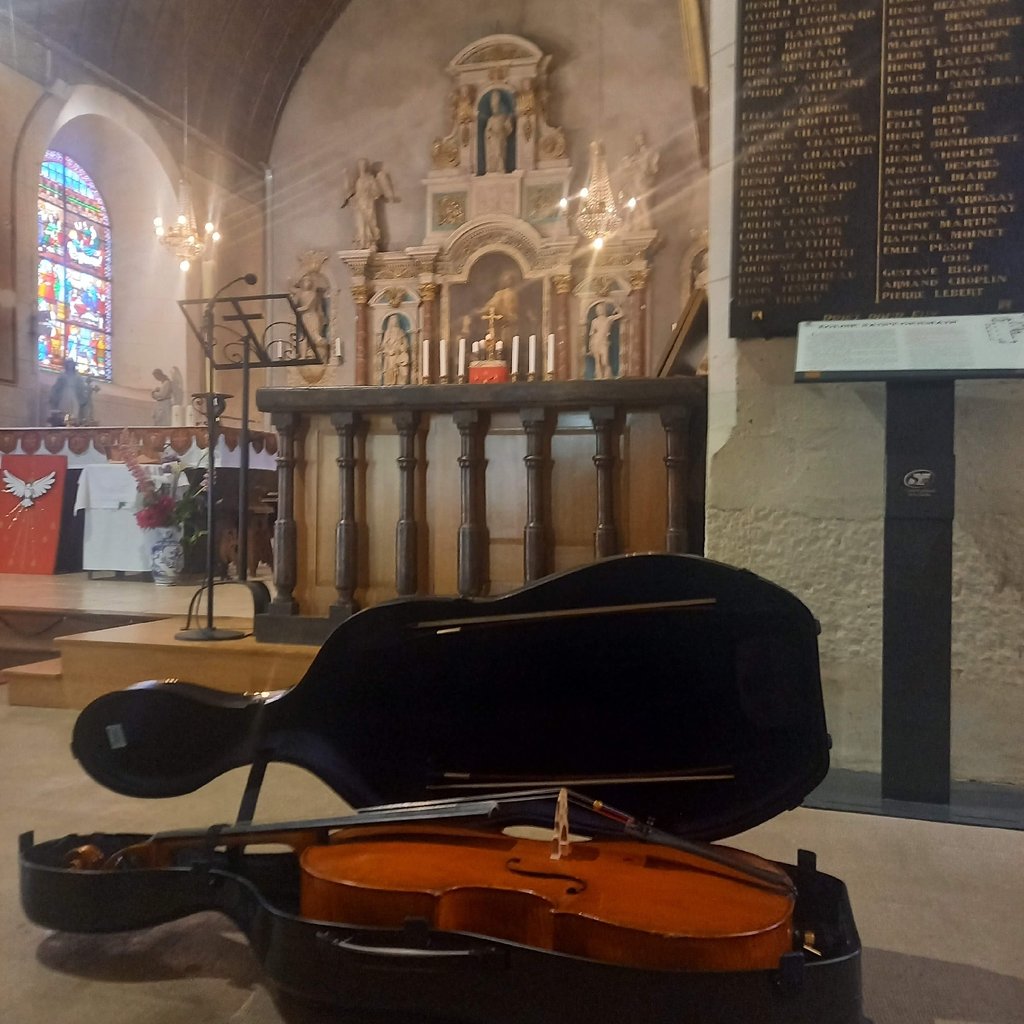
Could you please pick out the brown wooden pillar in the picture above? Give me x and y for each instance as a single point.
(474, 539)
(563, 353)
(676, 421)
(345, 551)
(637, 363)
(606, 540)
(285, 532)
(406, 534)
(364, 355)
(535, 533)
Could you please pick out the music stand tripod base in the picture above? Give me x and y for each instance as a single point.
(209, 633)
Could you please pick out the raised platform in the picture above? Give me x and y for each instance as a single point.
(89, 664)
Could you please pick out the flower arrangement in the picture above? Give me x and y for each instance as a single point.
(161, 500)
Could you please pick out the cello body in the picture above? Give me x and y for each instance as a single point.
(683, 691)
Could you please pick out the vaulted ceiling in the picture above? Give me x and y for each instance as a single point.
(242, 56)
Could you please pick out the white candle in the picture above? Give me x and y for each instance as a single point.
(533, 355)
(443, 369)
(515, 353)
(551, 355)
(462, 357)
(426, 359)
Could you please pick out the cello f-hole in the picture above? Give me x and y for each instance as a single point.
(578, 884)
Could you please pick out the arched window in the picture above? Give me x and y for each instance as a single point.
(74, 269)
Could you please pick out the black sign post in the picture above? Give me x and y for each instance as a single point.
(917, 590)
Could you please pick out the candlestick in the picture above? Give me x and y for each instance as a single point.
(532, 366)
(551, 355)
(462, 359)
(515, 355)
(426, 361)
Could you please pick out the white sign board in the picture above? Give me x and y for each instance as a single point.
(926, 347)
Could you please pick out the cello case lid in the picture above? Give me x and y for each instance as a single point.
(681, 690)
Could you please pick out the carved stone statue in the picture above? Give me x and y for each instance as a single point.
(394, 353)
(169, 392)
(309, 293)
(638, 172)
(496, 133)
(364, 190)
(601, 339)
(70, 401)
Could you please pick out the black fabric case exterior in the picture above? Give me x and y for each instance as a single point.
(643, 665)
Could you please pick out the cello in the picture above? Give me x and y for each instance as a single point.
(637, 899)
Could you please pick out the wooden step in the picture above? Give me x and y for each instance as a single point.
(38, 685)
(99, 662)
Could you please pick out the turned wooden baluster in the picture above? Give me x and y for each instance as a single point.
(535, 551)
(406, 548)
(676, 421)
(346, 535)
(605, 536)
(474, 539)
(285, 533)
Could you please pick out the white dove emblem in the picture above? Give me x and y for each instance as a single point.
(28, 492)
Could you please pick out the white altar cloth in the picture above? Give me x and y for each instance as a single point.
(108, 497)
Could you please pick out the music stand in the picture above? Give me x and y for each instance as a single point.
(285, 341)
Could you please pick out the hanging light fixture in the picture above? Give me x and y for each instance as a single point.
(597, 212)
(182, 237)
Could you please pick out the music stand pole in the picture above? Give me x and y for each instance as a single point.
(215, 405)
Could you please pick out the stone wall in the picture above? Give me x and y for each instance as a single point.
(796, 493)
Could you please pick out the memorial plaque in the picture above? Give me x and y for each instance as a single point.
(879, 161)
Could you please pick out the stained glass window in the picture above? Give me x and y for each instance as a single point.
(74, 269)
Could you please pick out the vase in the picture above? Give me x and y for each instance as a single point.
(167, 556)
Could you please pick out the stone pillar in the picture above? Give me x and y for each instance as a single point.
(364, 354)
(428, 297)
(637, 363)
(563, 352)
(345, 551)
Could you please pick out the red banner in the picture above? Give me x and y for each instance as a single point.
(31, 496)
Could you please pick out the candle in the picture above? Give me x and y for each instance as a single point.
(533, 355)
(443, 368)
(426, 359)
(551, 355)
(515, 354)
(462, 357)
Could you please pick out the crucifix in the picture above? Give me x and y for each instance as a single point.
(490, 316)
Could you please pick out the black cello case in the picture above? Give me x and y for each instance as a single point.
(681, 690)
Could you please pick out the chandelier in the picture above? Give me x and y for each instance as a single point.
(181, 237)
(597, 213)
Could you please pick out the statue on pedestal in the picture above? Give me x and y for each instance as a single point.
(70, 401)
(601, 339)
(169, 392)
(366, 188)
(638, 172)
(496, 132)
(395, 360)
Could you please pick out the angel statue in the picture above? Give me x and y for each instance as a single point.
(169, 392)
(365, 189)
